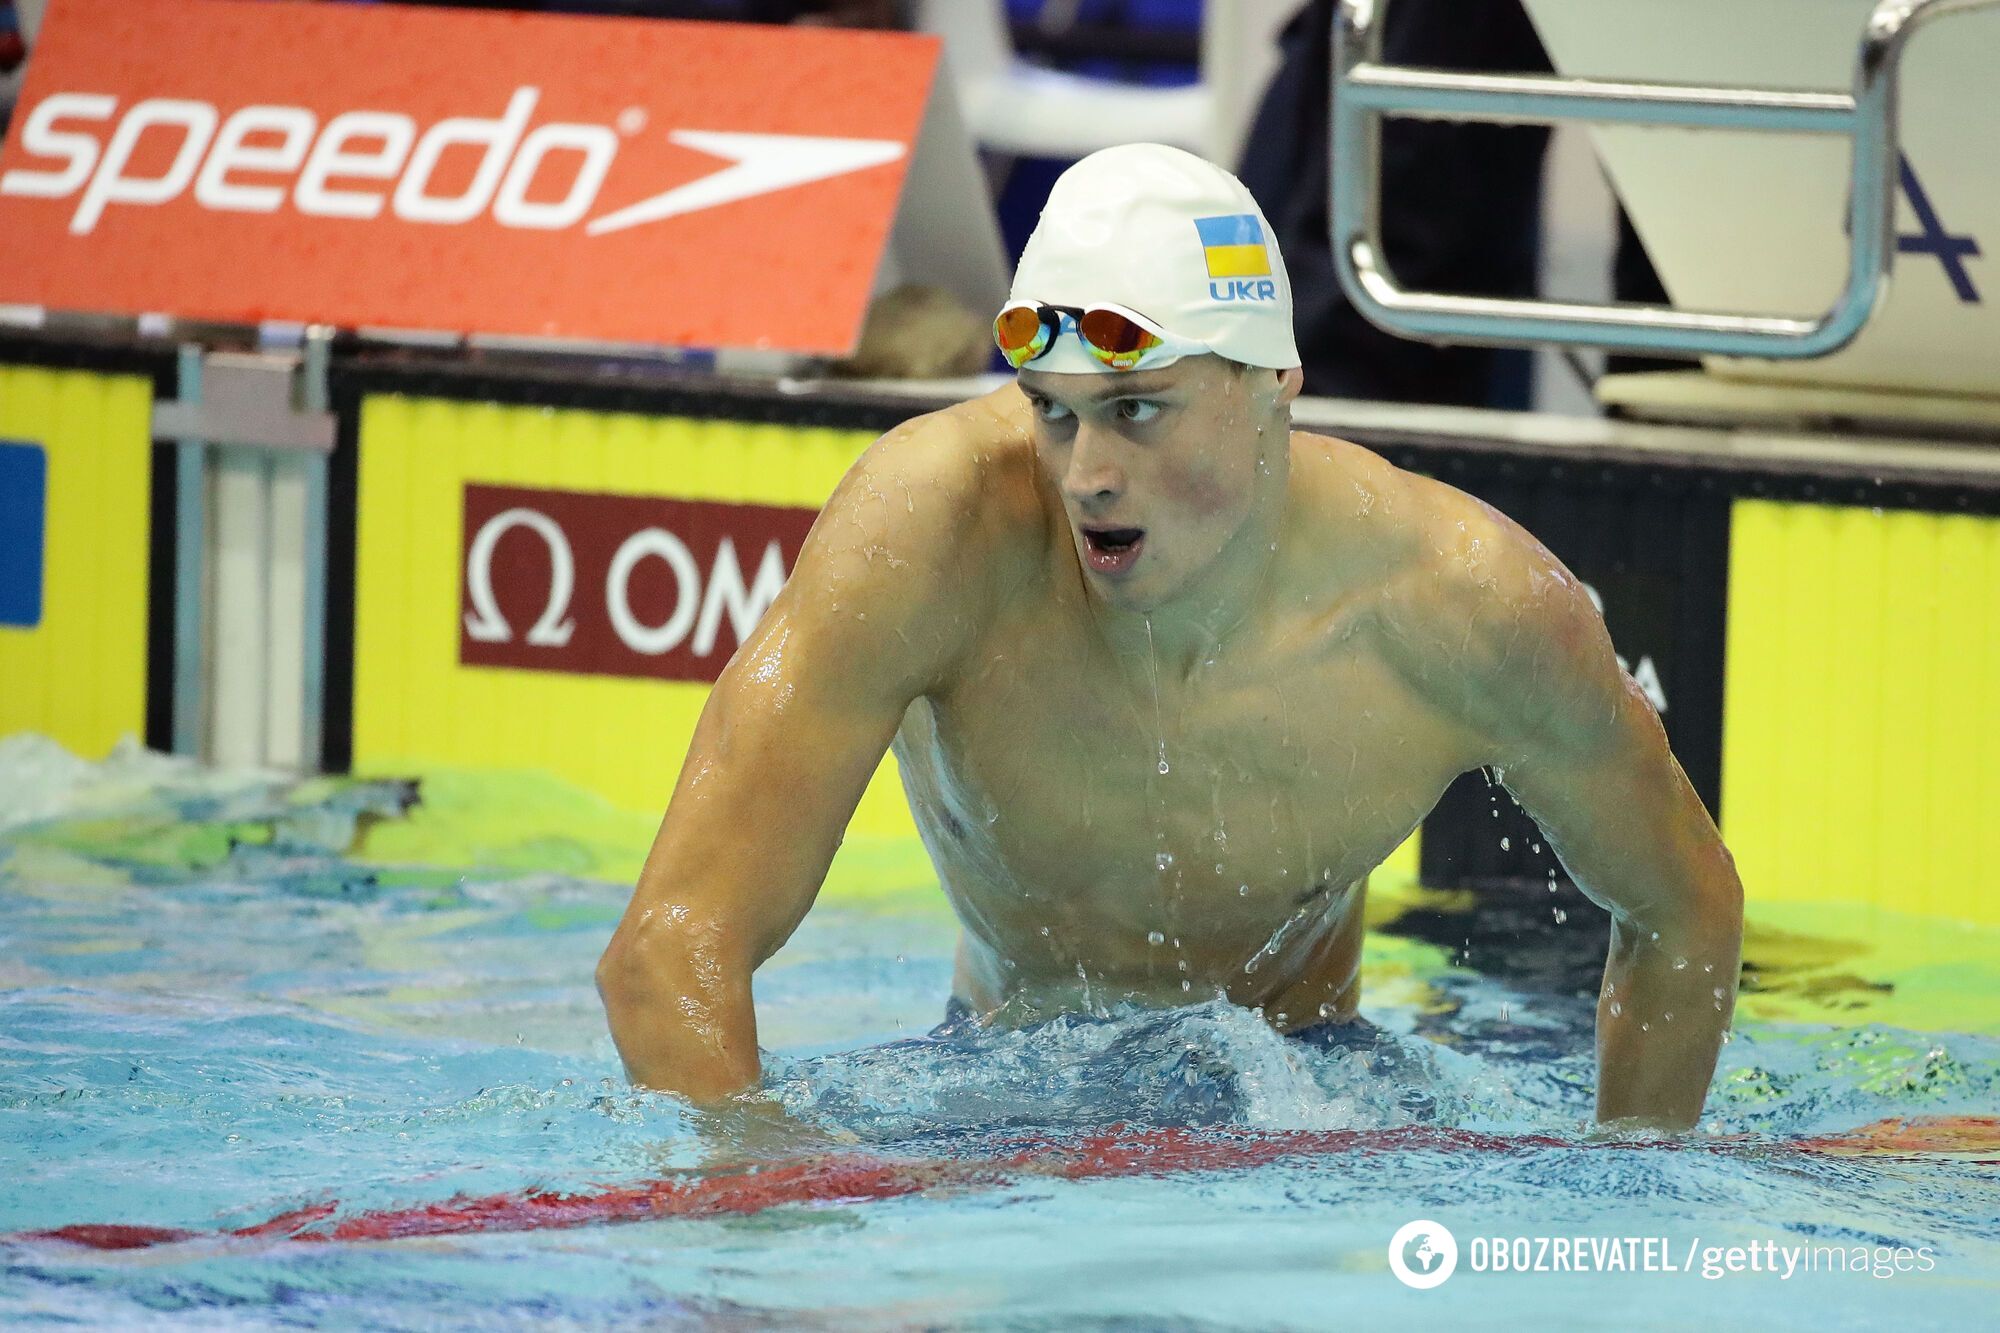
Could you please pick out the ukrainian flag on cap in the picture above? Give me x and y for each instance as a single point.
(1233, 245)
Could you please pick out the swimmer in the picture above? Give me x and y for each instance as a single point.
(1166, 679)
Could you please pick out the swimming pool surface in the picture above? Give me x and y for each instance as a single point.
(224, 997)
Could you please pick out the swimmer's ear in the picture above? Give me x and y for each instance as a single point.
(1275, 394)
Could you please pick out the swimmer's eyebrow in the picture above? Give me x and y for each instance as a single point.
(1123, 388)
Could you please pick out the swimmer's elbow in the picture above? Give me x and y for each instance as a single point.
(1699, 905)
(674, 948)
(620, 976)
(1722, 893)
(682, 1021)
(614, 967)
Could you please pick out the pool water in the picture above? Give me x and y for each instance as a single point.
(219, 1003)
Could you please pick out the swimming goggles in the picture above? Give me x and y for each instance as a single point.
(1119, 339)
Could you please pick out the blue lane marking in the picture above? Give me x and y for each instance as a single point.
(24, 495)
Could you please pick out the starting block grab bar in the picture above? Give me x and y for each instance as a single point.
(1365, 90)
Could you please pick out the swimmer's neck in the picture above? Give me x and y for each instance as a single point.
(1178, 637)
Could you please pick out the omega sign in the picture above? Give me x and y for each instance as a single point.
(617, 585)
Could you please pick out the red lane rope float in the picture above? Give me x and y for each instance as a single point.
(1116, 1152)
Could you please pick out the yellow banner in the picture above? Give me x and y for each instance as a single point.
(1861, 711)
(418, 706)
(78, 451)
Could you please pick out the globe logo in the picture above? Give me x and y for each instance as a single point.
(1422, 1254)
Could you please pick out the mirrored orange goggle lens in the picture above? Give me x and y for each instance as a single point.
(1114, 335)
(1019, 332)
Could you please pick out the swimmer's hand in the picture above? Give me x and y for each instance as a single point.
(755, 1127)
(1634, 1129)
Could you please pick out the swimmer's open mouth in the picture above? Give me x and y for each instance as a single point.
(1112, 550)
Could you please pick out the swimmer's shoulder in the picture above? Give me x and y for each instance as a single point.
(1417, 534)
(956, 484)
(909, 563)
(1356, 513)
(1470, 602)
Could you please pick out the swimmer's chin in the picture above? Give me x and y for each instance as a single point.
(1135, 596)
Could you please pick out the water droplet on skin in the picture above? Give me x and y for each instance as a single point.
(1182, 965)
(1045, 931)
(1163, 860)
(1163, 765)
(1186, 985)
(1680, 964)
(1645, 1027)
(1718, 993)
(1669, 1015)
(1155, 937)
(1656, 937)
(1616, 1009)
(1243, 890)
(1560, 916)
(1506, 844)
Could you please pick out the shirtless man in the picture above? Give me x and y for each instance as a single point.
(1166, 680)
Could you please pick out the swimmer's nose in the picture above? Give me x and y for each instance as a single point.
(1094, 480)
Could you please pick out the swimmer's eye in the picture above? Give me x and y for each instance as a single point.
(1139, 411)
(1049, 411)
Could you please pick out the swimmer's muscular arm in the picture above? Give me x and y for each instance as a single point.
(1580, 747)
(876, 611)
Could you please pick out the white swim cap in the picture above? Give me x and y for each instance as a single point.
(1168, 236)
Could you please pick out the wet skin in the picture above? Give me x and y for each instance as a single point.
(1166, 679)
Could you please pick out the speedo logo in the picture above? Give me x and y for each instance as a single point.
(359, 164)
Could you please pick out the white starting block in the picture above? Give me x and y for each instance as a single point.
(1752, 222)
(1755, 224)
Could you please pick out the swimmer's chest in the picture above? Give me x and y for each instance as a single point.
(1280, 774)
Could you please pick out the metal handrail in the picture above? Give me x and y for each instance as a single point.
(1365, 90)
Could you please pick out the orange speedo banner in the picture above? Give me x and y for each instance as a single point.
(618, 180)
